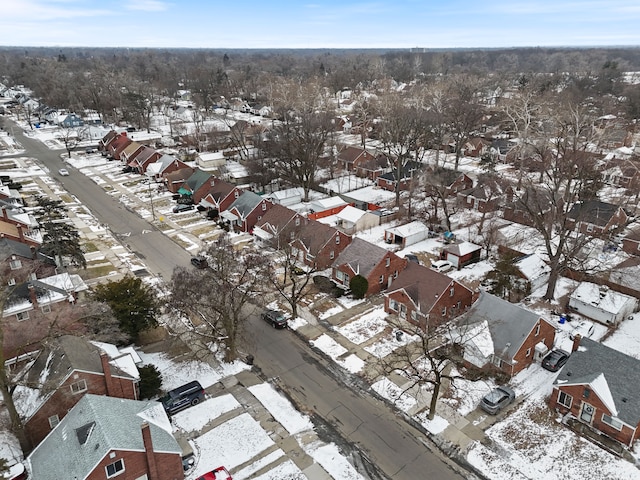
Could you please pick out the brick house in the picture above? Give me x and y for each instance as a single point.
(174, 179)
(20, 262)
(486, 196)
(598, 389)
(372, 168)
(145, 158)
(246, 211)
(518, 209)
(425, 297)
(117, 145)
(130, 152)
(164, 166)
(408, 172)
(351, 157)
(501, 336)
(378, 265)
(103, 437)
(596, 218)
(220, 195)
(631, 241)
(65, 369)
(196, 185)
(106, 140)
(279, 226)
(317, 245)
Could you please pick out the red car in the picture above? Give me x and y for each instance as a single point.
(220, 473)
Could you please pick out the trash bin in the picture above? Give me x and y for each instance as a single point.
(563, 318)
(249, 359)
(399, 335)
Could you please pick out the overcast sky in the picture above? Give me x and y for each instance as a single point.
(319, 24)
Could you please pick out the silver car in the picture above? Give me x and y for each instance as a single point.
(497, 399)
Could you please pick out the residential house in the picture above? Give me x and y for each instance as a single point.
(104, 437)
(407, 234)
(129, 154)
(378, 265)
(174, 179)
(475, 147)
(351, 157)
(317, 245)
(602, 304)
(246, 211)
(219, 196)
(598, 390)
(279, 226)
(524, 202)
(461, 254)
(26, 223)
(425, 297)
(144, 158)
(351, 220)
(106, 140)
(487, 196)
(164, 165)
(373, 168)
(36, 307)
(286, 197)
(20, 262)
(69, 120)
(117, 145)
(501, 336)
(10, 196)
(20, 234)
(63, 371)
(596, 218)
(624, 173)
(390, 180)
(196, 186)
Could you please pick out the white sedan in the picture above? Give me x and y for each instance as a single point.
(64, 172)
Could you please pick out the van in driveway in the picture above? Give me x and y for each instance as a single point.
(182, 397)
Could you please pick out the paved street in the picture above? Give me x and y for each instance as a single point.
(390, 443)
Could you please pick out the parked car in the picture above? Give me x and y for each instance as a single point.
(181, 207)
(583, 328)
(199, 262)
(91, 150)
(555, 360)
(182, 397)
(185, 200)
(441, 266)
(275, 318)
(220, 473)
(497, 399)
(64, 172)
(412, 258)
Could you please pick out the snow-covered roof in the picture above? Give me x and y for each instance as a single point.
(350, 214)
(208, 156)
(372, 194)
(602, 297)
(408, 229)
(462, 248)
(125, 359)
(532, 266)
(323, 204)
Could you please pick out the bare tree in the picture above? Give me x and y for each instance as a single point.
(214, 298)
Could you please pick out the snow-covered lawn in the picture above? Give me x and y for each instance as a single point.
(329, 346)
(197, 417)
(280, 408)
(365, 326)
(389, 343)
(389, 390)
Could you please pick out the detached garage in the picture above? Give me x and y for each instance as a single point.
(406, 235)
(461, 254)
(601, 304)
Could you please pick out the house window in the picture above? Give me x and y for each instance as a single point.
(444, 311)
(590, 227)
(297, 221)
(586, 393)
(337, 239)
(393, 305)
(53, 421)
(451, 291)
(381, 279)
(528, 352)
(403, 310)
(46, 308)
(115, 468)
(414, 315)
(11, 282)
(612, 422)
(331, 255)
(22, 316)
(388, 261)
(293, 235)
(537, 330)
(565, 399)
(33, 276)
(496, 361)
(79, 387)
(264, 207)
(236, 194)
(395, 274)
(15, 264)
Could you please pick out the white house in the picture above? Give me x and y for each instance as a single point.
(601, 303)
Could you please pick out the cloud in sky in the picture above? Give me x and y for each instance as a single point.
(147, 5)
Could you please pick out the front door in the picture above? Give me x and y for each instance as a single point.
(586, 414)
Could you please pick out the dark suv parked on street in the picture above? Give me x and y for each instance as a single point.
(182, 397)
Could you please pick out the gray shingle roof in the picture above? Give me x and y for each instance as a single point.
(94, 427)
(620, 371)
(508, 323)
(361, 256)
(245, 203)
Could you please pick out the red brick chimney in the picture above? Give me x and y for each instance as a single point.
(108, 380)
(152, 468)
(5, 215)
(20, 233)
(576, 342)
(32, 296)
